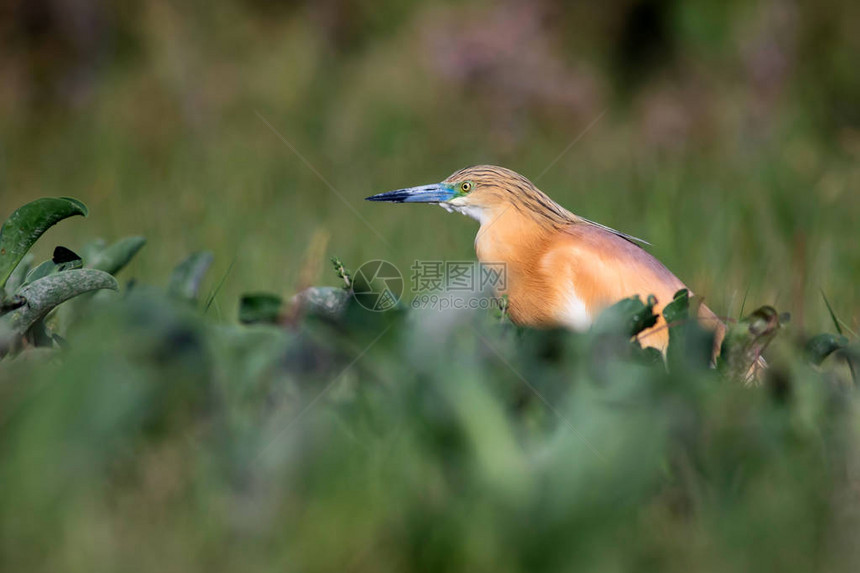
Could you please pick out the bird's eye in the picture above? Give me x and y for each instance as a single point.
(466, 186)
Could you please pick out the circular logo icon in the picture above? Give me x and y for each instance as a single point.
(377, 285)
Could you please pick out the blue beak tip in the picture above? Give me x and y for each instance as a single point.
(398, 196)
(435, 193)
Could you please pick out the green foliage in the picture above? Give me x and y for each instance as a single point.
(161, 437)
(690, 345)
(28, 295)
(823, 345)
(628, 317)
(55, 265)
(423, 441)
(260, 308)
(26, 225)
(114, 257)
(45, 293)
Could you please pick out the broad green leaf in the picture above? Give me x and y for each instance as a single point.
(679, 308)
(52, 290)
(24, 227)
(629, 316)
(113, 258)
(186, 277)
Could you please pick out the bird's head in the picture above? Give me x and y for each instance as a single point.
(478, 192)
(486, 192)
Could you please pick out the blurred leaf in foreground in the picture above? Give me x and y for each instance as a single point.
(186, 278)
(329, 302)
(113, 258)
(690, 345)
(260, 308)
(819, 347)
(629, 316)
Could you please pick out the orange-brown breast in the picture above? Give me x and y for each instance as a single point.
(565, 277)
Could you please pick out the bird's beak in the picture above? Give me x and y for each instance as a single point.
(435, 193)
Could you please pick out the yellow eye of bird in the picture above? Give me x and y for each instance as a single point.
(466, 186)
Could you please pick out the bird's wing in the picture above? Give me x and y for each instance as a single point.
(624, 236)
(603, 268)
(607, 267)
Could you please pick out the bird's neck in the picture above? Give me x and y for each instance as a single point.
(520, 242)
(511, 236)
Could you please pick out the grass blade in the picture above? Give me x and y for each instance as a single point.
(218, 286)
(832, 314)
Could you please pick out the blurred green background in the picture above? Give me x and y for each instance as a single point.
(155, 436)
(728, 132)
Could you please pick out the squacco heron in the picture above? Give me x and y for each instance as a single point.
(562, 269)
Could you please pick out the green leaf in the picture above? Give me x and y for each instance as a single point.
(113, 258)
(260, 308)
(109, 259)
(24, 227)
(823, 345)
(186, 278)
(679, 308)
(41, 270)
(629, 316)
(690, 345)
(651, 355)
(52, 290)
